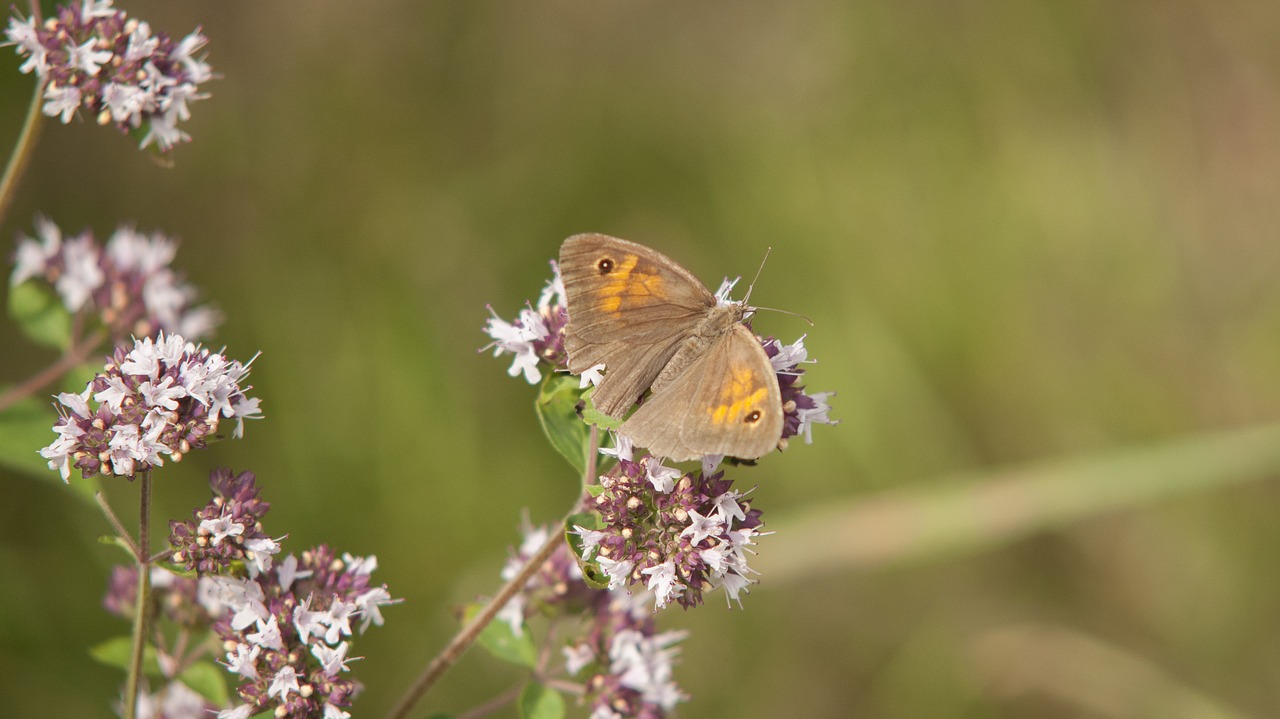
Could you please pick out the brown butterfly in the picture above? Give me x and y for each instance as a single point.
(654, 326)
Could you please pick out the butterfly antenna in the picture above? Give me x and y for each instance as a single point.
(752, 286)
(786, 312)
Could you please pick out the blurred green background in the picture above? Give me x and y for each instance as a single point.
(1038, 241)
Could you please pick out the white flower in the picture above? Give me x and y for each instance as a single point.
(339, 620)
(591, 376)
(90, 9)
(701, 527)
(789, 355)
(661, 477)
(332, 660)
(219, 595)
(258, 553)
(183, 53)
(590, 539)
(249, 605)
(165, 394)
(726, 286)
(268, 635)
(113, 396)
(577, 657)
(178, 701)
(86, 58)
(645, 665)
(307, 622)
(221, 528)
(123, 101)
(715, 558)
(33, 257)
(727, 507)
(82, 275)
(61, 100)
(360, 566)
(143, 360)
(284, 682)
(553, 294)
(287, 572)
(333, 712)
(622, 447)
(512, 614)
(518, 339)
(244, 711)
(243, 661)
(617, 571)
(664, 582)
(369, 602)
(710, 462)
(141, 43)
(734, 583)
(814, 415)
(163, 131)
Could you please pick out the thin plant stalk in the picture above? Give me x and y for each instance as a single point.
(469, 633)
(73, 357)
(142, 614)
(22, 150)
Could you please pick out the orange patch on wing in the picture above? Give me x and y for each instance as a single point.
(739, 397)
(624, 283)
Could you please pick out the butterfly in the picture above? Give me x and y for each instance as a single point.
(655, 327)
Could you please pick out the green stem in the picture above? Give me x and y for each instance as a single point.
(469, 633)
(22, 150)
(69, 360)
(142, 613)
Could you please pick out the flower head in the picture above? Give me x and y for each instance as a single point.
(287, 632)
(225, 531)
(677, 541)
(162, 398)
(91, 57)
(630, 663)
(128, 283)
(801, 411)
(536, 337)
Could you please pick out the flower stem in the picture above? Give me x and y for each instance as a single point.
(493, 705)
(142, 613)
(117, 525)
(68, 361)
(468, 634)
(22, 150)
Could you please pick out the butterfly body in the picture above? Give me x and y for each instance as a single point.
(655, 327)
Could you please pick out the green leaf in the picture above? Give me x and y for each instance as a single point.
(40, 314)
(591, 573)
(501, 642)
(208, 680)
(558, 414)
(591, 415)
(25, 428)
(540, 702)
(117, 653)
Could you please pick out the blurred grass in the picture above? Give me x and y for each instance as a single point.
(1026, 232)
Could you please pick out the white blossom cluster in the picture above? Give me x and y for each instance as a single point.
(92, 57)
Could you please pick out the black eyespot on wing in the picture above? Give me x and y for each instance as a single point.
(752, 417)
(605, 265)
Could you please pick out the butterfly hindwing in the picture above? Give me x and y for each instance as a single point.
(727, 402)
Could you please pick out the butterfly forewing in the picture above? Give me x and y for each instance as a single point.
(727, 402)
(629, 309)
